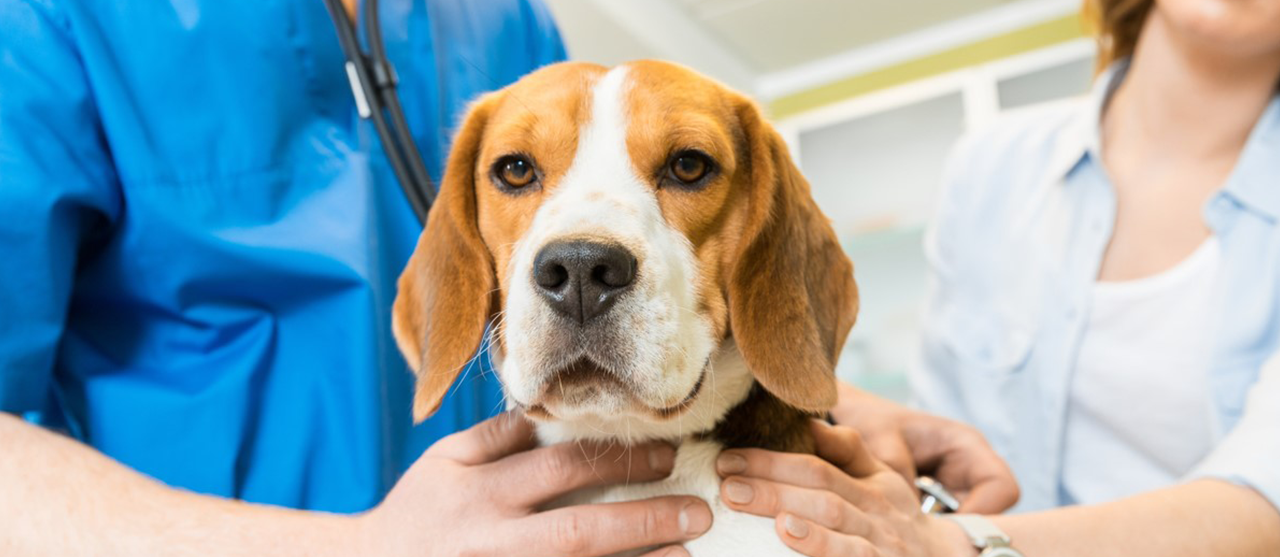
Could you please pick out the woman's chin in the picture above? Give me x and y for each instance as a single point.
(1231, 27)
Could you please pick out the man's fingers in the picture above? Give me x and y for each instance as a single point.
(770, 499)
(499, 436)
(594, 530)
(845, 448)
(541, 475)
(815, 540)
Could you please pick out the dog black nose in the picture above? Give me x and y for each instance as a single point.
(582, 280)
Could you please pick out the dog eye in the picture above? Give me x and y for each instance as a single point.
(515, 171)
(689, 167)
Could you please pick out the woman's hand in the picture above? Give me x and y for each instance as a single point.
(841, 503)
(909, 441)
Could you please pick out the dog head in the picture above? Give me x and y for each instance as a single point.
(621, 236)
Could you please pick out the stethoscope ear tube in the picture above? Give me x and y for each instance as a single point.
(373, 85)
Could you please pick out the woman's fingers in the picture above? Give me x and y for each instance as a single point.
(990, 496)
(844, 447)
(841, 454)
(983, 481)
(894, 452)
(796, 469)
(789, 468)
(816, 540)
(962, 459)
(529, 479)
(770, 499)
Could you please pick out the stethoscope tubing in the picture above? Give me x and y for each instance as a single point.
(373, 84)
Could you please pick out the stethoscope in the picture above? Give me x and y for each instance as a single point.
(373, 84)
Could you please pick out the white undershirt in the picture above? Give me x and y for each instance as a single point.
(1138, 413)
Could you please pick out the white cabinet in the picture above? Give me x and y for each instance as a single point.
(874, 163)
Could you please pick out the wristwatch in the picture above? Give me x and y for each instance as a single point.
(934, 497)
(985, 535)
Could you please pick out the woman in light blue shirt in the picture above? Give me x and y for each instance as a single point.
(1106, 297)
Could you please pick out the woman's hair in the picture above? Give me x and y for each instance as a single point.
(1117, 24)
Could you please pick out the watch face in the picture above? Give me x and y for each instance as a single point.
(1001, 552)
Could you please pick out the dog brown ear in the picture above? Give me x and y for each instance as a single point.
(792, 298)
(445, 293)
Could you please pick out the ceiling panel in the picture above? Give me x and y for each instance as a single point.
(592, 36)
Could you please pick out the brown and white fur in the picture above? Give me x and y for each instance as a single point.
(741, 299)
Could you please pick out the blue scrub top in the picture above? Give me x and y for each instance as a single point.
(199, 239)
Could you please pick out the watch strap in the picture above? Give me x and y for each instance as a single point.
(982, 532)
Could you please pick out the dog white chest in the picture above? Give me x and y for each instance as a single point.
(732, 533)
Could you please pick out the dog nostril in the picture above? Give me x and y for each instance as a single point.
(615, 275)
(552, 276)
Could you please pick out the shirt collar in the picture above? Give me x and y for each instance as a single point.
(1083, 132)
(1254, 183)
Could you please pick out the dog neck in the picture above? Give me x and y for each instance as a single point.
(735, 412)
(762, 421)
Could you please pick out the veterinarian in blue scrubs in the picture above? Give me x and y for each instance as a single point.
(202, 239)
(200, 246)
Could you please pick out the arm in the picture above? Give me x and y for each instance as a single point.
(475, 492)
(851, 502)
(62, 497)
(1204, 517)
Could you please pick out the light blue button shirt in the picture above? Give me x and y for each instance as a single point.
(1026, 214)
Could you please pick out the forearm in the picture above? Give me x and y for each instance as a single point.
(61, 497)
(1205, 517)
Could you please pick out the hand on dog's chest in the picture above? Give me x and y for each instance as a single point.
(732, 534)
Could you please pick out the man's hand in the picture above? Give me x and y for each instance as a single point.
(910, 441)
(479, 492)
(475, 493)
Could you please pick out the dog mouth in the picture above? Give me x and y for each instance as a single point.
(680, 407)
(584, 382)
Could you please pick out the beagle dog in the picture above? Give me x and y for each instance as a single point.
(645, 262)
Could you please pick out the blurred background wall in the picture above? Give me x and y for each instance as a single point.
(871, 95)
